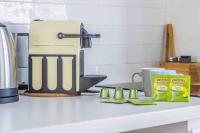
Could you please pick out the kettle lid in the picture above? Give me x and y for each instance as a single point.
(2, 25)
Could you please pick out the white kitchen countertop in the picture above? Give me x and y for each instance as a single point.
(86, 114)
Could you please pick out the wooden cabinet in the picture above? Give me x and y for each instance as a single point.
(192, 69)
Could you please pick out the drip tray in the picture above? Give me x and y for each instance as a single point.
(125, 86)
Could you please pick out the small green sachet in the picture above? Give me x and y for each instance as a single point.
(114, 101)
(142, 102)
(160, 87)
(179, 89)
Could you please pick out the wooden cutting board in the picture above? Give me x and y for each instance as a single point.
(168, 49)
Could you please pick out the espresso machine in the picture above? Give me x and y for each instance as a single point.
(56, 59)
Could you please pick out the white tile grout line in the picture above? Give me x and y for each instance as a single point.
(121, 64)
(82, 4)
(115, 64)
(98, 25)
(124, 44)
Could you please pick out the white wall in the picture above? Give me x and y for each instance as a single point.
(131, 31)
(185, 16)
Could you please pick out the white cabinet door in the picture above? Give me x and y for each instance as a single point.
(194, 126)
(195, 130)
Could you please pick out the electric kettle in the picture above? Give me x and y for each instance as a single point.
(8, 78)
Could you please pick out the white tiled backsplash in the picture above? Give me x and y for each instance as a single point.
(185, 16)
(131, 31)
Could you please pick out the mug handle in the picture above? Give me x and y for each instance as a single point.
(135, 74)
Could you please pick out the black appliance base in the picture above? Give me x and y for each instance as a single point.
(9, 99)
(23, 87)
(8, 92)
(9, 95)
(88, 81)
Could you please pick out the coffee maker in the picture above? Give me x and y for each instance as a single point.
(56, 59)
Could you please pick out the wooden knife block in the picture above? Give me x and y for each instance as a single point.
(192, 69)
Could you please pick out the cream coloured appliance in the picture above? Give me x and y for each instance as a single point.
(56, 58)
